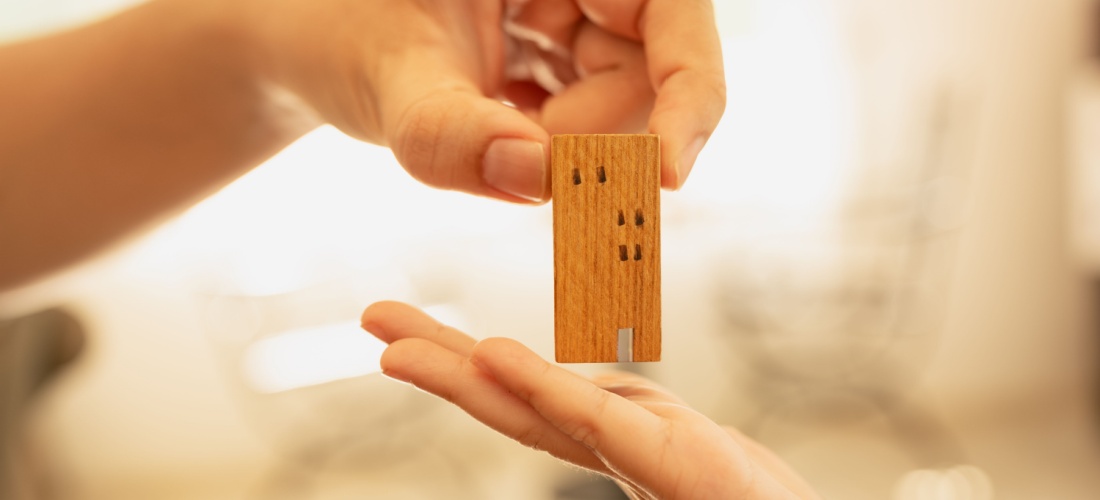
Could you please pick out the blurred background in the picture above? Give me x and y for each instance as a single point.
(883, 267)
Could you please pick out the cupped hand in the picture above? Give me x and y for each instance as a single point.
(621, 425)
(428, 77)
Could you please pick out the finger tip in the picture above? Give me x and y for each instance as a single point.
(685, 162)
(390, 364)
(673, 146)
(399, 356)
(682, 140)
(486, 347)
(377, 315)
(393, 371)
(391, 356)
(670, 180)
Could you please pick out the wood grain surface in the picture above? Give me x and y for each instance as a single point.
(607, 245)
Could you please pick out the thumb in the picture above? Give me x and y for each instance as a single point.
(453, 137)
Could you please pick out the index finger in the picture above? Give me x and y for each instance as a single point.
(684, 59)
(392, 321)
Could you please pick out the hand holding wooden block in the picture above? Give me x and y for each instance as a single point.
(607, 247)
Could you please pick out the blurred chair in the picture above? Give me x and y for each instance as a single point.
(33, 350)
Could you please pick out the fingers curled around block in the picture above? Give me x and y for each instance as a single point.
(684, 58)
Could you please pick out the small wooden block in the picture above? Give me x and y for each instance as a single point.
(607, 248)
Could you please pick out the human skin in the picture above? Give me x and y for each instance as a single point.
(111, 127)
(621, 425)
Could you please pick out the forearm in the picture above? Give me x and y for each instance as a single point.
(110, 127)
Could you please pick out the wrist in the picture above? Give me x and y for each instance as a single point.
(233, 35)
(314, 57)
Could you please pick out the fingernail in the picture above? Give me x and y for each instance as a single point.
(688, 157)
(375, 330)
(516, 167)
(393, 376)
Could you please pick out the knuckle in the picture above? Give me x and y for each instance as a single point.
(582, 432)
(414, 133)
(532, 437)
(584, 428)
(418, 134)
